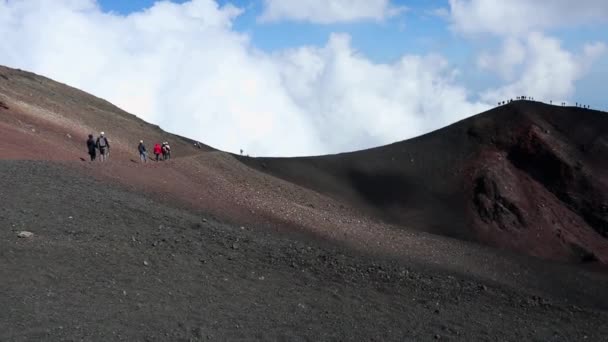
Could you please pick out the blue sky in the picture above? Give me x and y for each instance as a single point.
(300, 77)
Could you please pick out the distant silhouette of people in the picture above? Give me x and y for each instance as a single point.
(142, 151)
(92, 147)
(104, 147)
(157, 151)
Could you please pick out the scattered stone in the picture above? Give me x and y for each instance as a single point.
(205, 220)
(25, 234)
(198, 332)
(235, 246)
(437, 337)
(261, 278)
(483, 288)
(69, 136)
(146, 263)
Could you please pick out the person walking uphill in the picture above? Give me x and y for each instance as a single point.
(166, 151)
(92, 147)
(157, 150)
(142, 151)
(104, 147)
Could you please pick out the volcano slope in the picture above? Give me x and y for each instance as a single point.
(109, 264)
(205, 247)
(527, 177)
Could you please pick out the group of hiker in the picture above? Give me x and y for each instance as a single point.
(529, 98)
(102, 144)
(161, 151)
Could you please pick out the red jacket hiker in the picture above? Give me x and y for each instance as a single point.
(157, 150)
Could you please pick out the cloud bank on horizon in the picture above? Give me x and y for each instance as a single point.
(187, 68)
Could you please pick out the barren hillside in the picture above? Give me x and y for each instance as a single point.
(526, 176)
(393, 243)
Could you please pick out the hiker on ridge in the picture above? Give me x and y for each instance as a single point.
(92, 147)
(104, 147)
(157, 150)
(142, 151)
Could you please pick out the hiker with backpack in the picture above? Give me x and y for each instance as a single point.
(157, 150)
(166, 151)
(142, 151)
(92, 147)
(104, 147)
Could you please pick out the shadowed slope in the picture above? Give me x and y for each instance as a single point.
(526, 176)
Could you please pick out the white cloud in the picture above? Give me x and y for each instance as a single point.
(532, 62)
(520, 17)
(547, 71)
(512, 55)
(441, 12)
(183, 67)
(329, 11)
(372, 102)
